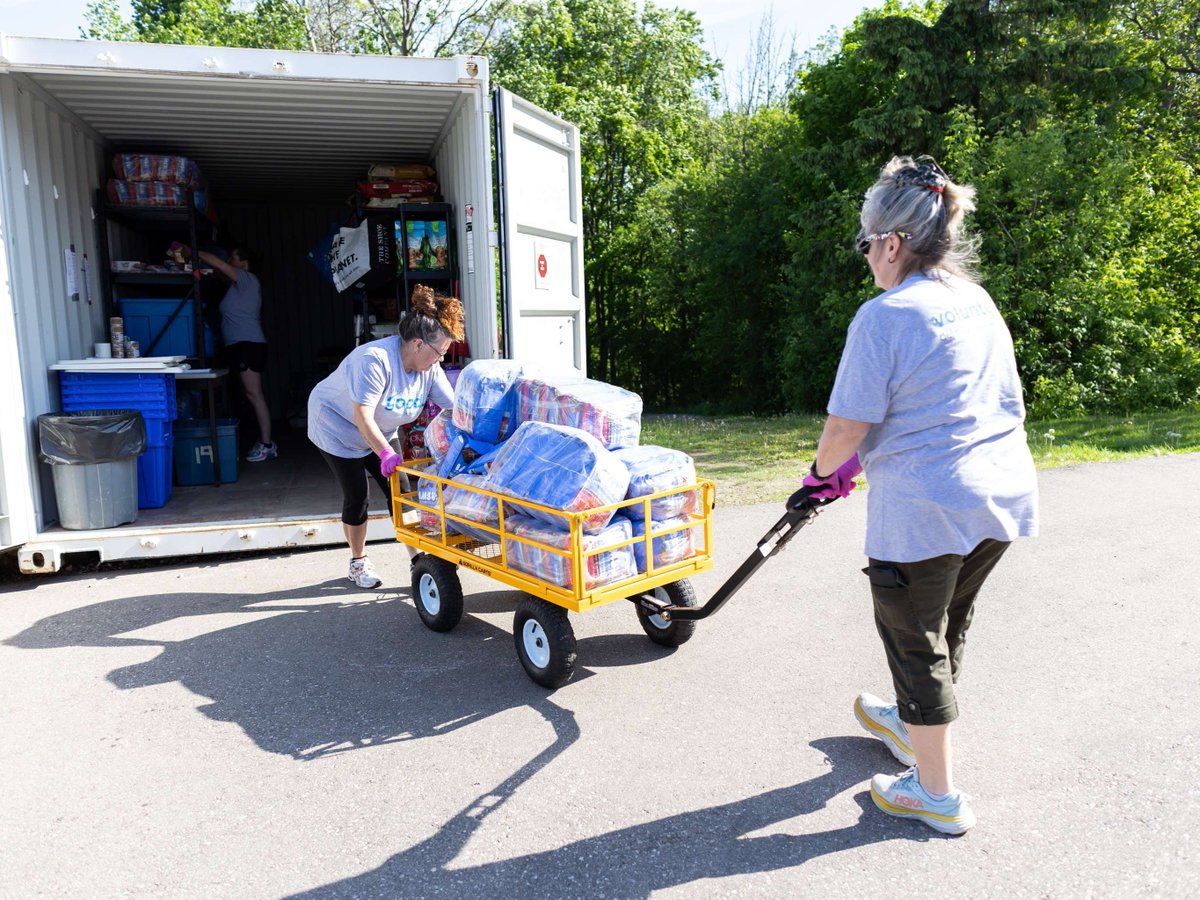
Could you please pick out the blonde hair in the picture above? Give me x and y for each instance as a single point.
(432, 315)
(918, 197)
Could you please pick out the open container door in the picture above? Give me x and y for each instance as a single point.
(540, 225)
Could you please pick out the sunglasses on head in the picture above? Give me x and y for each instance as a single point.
(863, 244)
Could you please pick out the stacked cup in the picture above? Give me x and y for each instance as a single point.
(116, 336)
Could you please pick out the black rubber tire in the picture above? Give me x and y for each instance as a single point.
(542, 629)
(437, 592)
(675, 632)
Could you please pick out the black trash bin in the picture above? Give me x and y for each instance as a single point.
(93, 457)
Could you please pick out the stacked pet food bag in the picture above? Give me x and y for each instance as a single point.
(568, 443)
(151, 179)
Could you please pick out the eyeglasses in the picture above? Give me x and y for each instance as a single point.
(439, 354)
(864, 243)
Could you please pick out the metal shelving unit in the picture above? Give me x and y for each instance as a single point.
(151, 220)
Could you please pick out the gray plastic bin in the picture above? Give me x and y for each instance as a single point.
(93, 457)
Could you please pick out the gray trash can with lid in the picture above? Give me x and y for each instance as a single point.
(93, 457)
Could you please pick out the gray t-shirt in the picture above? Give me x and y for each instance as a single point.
(930, 363)
(241, 308)
(373, 376)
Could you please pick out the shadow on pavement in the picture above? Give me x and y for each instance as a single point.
(641, 859)
(319, 670)
(312, 671)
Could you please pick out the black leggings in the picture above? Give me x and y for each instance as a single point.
(351, 475)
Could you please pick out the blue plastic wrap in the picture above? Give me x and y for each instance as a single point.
(560, 467)
(484, 401)
(667, 548)
(653, 469)
(603, 568)
(610, 414)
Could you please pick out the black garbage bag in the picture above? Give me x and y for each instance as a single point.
(91, 436)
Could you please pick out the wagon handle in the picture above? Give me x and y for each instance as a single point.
(768, 545)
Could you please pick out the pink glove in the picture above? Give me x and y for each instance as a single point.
(389, 462)
(839, 484)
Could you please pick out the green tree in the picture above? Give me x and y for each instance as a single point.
(276, 24)
(633, 80)
(388, 27)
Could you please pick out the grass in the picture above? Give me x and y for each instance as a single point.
(761, 460)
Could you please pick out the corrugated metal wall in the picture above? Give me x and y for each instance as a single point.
(52, 167)
(463, 164)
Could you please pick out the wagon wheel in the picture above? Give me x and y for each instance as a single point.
(674, 632)
(437, 592)
(545, 641)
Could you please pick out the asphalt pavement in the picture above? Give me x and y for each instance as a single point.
(259, 727)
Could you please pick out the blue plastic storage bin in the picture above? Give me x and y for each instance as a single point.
(154, 475)
(144, 319)
(151, 394)
(194, 451)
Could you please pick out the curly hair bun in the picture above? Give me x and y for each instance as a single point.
(423, 301)
(451, 317)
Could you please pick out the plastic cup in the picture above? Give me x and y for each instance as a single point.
(104, 351)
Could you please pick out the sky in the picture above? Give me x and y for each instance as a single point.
(730, 25)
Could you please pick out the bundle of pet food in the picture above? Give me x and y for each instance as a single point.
(144, 179)
(142, 167)
(484, 406)
(651, 471)
(471, 505)
(427, 494)
(670, 546)
(612, 414)
(389, 186)
(438, 434)
(569, 444)
(558, 568)
(562, 468)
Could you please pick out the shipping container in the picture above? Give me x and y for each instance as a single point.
(280, 138)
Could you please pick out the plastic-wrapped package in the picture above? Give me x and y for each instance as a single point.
(603, 568)
(653, 469)
(483, 399)
(560, 467)
(156, 167)
(438, 435)
(415, 437)
(668, 548)
(427, 493)
(458, 501)
(611, 414)
(146, 193)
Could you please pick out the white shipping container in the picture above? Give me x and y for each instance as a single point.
(280, 137)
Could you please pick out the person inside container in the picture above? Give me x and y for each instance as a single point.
(355, 414)
(927, 396)
(245, 342)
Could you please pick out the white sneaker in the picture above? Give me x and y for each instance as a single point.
(902, 796)
(363, 573)
(883, 721)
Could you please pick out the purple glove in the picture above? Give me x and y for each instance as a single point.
(389, 462)
(839, 484)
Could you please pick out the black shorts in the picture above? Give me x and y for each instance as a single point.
(922, 612)
(245, 355)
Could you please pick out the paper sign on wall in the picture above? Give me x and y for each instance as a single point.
(469, 209)
(72, 281)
